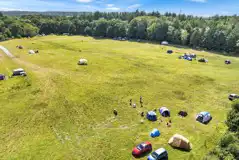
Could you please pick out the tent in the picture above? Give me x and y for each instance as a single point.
(155, 133)
(189, 58)
(204, 117)
(164, 112)
(164, 43)
(179, 141)
(170, 51)
(203, 60)
(227, 62)
(152, 116)
(31, 52)
(182, 113)
(82, 62)
(2, 76)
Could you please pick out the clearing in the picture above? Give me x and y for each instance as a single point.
(65, 111)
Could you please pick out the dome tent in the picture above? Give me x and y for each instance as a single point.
(155, 133)
(169, 51)
(204, 117)
(179, 141)
(164, 112)
(164, 43)
(31, 52)
(82, 62)
(152, 116)
(182, 113)
(227, 61)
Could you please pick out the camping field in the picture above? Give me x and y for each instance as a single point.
(65, 111)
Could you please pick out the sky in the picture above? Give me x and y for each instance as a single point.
(193, 7)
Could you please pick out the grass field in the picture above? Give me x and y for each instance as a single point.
(64, 111)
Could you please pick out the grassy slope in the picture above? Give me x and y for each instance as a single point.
(64, 111)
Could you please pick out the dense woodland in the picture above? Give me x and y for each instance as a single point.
(219, 33)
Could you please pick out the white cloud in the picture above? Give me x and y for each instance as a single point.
(110, 5)
(84, 1)
(113, 8)
(134, 6)
(200, 1)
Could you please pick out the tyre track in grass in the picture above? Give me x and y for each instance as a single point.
(40, 70)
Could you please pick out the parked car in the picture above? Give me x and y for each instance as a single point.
(142, 149)
(232, 97)
(19, 72)
(159, 154)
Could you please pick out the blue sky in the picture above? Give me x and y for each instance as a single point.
(195, 7)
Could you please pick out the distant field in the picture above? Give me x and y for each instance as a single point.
(64, 111)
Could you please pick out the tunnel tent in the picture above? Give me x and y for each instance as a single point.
(2, 76)
(155, 133)
(152, 116)
(204, 117)
(179, 141)
(164, 111)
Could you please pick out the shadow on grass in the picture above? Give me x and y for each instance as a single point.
(143, 155)
(180, 149)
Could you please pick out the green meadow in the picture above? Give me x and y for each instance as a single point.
(65, 111)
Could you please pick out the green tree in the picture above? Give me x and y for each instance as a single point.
(195, 38)
(101, 26)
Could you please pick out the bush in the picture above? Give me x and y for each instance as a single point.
(233, 118)
(227, 139)
(234, 150)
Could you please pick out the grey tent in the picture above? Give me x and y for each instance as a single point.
(164, 43)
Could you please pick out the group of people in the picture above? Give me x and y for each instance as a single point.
(142, 114)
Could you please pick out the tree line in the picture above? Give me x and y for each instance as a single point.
(219, 33)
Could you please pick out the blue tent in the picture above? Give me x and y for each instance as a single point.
(152, 116)
(204, 117)
(155, 133)
(2, 77)
(189, 59)
(164, 112)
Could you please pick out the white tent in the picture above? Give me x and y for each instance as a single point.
(31, 52)
(164, 43)
(82, 62)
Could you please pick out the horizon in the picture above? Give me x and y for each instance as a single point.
(202, 8)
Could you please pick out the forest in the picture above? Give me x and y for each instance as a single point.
(217, 33)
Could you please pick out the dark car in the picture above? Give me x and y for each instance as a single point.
(142, 149)
(159, 154)
(232, 97)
